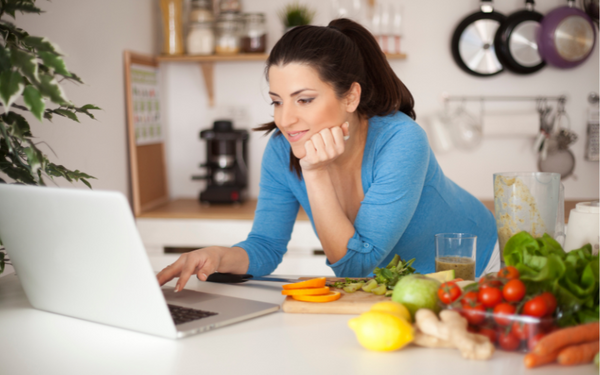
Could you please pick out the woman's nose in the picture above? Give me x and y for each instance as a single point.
(288, 116)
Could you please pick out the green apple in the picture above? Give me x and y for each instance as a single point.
(417, 292)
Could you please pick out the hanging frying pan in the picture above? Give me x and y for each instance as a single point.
(591, 8)
(567, 36)
(473, 41)
(516, 41)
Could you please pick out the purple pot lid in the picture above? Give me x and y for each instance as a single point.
(566, 37)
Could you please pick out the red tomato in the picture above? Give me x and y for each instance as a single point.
(508, 341)
(475, 314)
(489, 280)
(550, 302)
(490, 333)
(490, 296)
(509, 272)
(535, 307)
(514, 290)
(502, 313)
(449, 292)
(524, 331)
(469, 298)
(532, 342)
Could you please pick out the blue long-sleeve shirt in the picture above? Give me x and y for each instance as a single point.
(407, 201)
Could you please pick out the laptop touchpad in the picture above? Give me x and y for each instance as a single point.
(187, 296)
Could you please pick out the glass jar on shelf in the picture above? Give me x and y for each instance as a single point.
(254, 36)
(230, 6)
(228, 32)
(201, 11)
(201, 39)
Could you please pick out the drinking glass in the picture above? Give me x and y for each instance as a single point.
(456, 251)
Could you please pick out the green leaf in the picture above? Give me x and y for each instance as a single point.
(34, 157)
(18, 127)
(34, 102)
(50, 89)
(85, 109)
(11, 87)
(66, 113)
(513, 248)
(5, 59)
(26, 63)
(40, 44)
(55, 62)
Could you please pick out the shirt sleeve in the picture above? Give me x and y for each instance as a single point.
(399, 170)
(275, 214)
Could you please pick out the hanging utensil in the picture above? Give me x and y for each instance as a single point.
(473, 42)
(567, 36)
(557, 158)
(516, 41)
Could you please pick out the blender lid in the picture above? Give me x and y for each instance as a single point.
(223, 126)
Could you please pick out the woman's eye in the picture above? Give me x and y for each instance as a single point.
(306, 101)
(275, 104)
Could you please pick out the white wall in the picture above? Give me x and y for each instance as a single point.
(428, 72)
(94, 34)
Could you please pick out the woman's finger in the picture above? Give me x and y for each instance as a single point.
(207, 269)
(329, 143)
(311, 153)
(338, 139)
(193, 263)
(317, 141)
(171, 271)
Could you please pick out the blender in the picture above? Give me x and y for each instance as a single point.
(528, 201)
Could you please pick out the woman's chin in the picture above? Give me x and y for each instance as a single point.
(299, 152)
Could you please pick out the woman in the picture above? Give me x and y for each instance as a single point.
(347, 149)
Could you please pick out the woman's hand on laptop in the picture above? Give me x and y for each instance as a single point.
(204, 262)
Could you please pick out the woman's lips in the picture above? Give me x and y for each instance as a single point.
(295, 136)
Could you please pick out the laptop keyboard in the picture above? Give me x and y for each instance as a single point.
(182, 315)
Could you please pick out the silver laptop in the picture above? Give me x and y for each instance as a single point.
(78, 253)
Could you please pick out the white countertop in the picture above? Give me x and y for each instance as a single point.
(37, 342)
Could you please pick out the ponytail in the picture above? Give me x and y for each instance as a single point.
(342, 53)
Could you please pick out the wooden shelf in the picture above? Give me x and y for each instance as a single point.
(207, 65)
(192, 209)
(214, 58)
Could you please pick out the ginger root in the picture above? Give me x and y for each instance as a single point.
(451, 331)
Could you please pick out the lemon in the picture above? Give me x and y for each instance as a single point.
(381, 331)
(392, 308)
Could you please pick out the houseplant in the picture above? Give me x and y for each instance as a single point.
(295, 14)
(30, 71)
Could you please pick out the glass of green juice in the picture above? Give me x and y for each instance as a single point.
(456, 251)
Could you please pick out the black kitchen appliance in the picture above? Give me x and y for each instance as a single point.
(226, 163)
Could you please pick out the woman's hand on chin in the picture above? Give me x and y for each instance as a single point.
(324, 147)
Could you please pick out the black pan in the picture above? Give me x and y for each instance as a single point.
(516, 41)
(473, 42)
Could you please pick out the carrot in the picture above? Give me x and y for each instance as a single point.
(319, 282)
(307, 291)
(322, 298)
(533, 360)
(567, 336)
(578, 354)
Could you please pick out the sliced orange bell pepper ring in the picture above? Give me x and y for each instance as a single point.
(304, 292)
(319, 298)
(312, 283)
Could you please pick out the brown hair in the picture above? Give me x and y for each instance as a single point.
(342, 53)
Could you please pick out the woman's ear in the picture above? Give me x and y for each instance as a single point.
(353, 97)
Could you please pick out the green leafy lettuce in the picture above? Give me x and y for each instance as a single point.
(572, 277)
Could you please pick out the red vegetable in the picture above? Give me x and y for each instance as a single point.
(469, 298)
(523, 330)
(490, 296)
(449, 292)
(508, 341)
(509, 272)
(550, 302)
(475, 314)
(535, 307)
(502, 313)
(514, 290)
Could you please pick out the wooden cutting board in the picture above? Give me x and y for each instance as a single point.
(350, 303)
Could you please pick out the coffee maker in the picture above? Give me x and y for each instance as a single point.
(226, 163)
